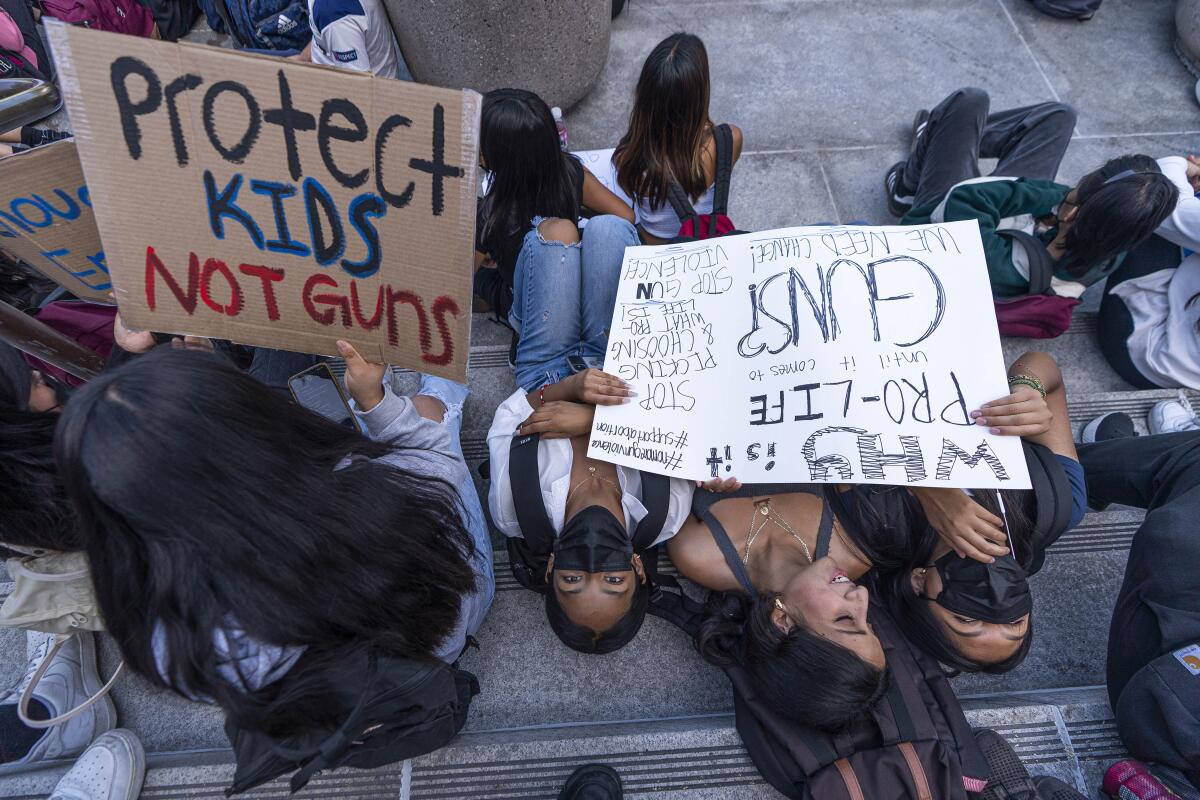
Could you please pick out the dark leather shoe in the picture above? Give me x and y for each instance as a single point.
(593, 782)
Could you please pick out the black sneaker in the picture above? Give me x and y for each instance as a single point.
(1049, 788)
(1113, 425)
(1009, 778)
(899, 197)
(593, 782)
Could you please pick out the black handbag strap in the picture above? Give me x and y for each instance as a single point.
(524, 478)
(1041, 265)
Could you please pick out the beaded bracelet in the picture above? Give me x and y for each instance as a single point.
(1027, 380)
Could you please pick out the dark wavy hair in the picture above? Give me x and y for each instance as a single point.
(531, 175)
(917, 622)
(583, 639)
(206, 500)
(668, 124)
(804, 676)
(34, 511)
(1115, 217)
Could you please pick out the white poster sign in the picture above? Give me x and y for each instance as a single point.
(843, 354)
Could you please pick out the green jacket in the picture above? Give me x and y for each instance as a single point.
(998, 203)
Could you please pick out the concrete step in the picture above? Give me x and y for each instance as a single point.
(1069, 734)
(529, 679)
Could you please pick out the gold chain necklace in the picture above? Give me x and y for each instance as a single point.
(763, 509)
(592, 476)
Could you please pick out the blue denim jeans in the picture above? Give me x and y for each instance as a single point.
(474, 607)
(563, 298)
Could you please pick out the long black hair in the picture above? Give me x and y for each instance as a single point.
(531, 175)
(1116, 216)
(34, 511)
(668, 124)
(806, 677)
(915, 618)
(207, 500)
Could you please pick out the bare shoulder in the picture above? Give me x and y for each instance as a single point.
(697, 557)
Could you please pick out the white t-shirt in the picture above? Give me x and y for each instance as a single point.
(555, 458)
(354, 34)
(1165, 345)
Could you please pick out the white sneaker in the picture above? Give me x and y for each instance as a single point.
(113, 768)
(71, 679)
(1173, 416)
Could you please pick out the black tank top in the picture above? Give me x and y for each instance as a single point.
(703, 501)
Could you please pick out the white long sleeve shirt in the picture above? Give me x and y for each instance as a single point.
(555, 457)
(1164, 345)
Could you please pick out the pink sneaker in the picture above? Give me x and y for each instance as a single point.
(1130, 780)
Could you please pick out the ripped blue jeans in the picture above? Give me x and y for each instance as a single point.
(563, 297)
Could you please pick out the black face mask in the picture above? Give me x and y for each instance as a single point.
(996, 592)
(594, 541)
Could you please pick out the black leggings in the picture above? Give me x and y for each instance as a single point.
(1115, 324)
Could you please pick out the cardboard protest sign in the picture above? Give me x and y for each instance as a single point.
(46, 219)
(35, 337)
(810, 355)
(278, 203)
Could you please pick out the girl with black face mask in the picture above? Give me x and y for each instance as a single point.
(599, 518)
(964, 595)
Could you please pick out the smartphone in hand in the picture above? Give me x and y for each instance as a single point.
(319, 390)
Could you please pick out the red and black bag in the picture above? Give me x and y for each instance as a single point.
(693, 226)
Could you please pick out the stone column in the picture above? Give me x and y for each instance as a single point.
(1187, 34)
(555, 48)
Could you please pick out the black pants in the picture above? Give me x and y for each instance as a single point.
(1159, 603)
(1115, 323)
(1029, 142)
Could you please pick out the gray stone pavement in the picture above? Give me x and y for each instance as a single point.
(825, 90)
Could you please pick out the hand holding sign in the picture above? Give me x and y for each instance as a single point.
(364, 379)
(302, 204)
(598, 388)
(841, 354)
(967, 527)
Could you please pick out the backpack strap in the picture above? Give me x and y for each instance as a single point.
(524, 478)
(732, 559)
(682, 205)
(1041, 265)
(723, 139)
(656, 497)
(668, 602)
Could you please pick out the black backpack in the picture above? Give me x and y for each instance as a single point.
(396, 708)
(173, 18)
(528, 553)
(692, 225)
(916, 744)
(1068, 9)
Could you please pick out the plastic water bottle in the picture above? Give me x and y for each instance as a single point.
(556, 112)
